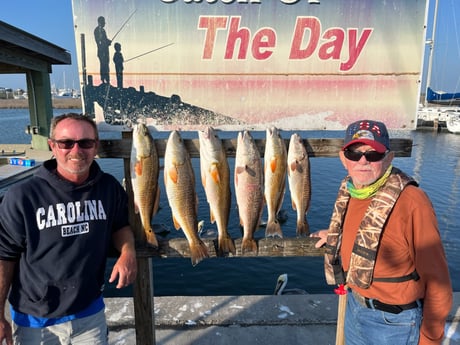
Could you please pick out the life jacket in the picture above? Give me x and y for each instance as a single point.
(367, 240)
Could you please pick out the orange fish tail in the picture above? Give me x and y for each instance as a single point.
(273, 229)
(226, 246)
(248, 245)
(198, 251)
(303, 228)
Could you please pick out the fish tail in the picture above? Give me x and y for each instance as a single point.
(198, 251)
(273, 229)
(303, 228)
(248, 245)
(150, 237)
(226, 246)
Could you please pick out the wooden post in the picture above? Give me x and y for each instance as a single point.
(143, 285)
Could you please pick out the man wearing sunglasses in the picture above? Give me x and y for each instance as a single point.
(383, 242)
(55, 232)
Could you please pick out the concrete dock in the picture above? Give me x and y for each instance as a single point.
(230, 320)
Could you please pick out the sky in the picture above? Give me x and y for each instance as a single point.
(52, 20)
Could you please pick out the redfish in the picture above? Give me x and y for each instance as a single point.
(144, 168)
(275, 166)
(179, 180)
(299, 182)
(215, 177)
(249, 192)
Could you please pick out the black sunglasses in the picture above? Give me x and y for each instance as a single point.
(68, 144)
(371, 156)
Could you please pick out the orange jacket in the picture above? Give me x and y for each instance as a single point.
(410, 241)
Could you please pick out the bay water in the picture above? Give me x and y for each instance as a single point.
(434, 163)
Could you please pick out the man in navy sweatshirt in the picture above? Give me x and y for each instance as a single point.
(55, 232)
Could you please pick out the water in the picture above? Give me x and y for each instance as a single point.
(434, 164)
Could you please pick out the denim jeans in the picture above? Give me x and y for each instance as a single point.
(89, 330)
(366, 326)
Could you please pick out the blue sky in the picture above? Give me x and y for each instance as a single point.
(52, 21)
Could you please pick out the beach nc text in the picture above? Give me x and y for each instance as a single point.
(71, 216)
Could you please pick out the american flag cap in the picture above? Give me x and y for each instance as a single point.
(368, 132)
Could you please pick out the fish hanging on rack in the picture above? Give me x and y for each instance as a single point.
(179, 180)
(215, 177)
(299, 181)
(249, 188)
(275, 166)
(144, 168)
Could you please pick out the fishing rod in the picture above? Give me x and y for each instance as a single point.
(123, 25)
(150, 51)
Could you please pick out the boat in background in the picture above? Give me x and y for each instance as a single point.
(439, 106)
(453, 122)
(443, 98)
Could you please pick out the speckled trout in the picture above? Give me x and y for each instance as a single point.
(215, 177)
(299, 182)
(275, 165)
(144, 167)
(249, 192)
(179, 182)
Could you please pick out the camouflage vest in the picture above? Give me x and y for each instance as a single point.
(367, 240)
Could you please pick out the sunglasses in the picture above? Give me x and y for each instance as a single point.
(68, 144)
(371, 156)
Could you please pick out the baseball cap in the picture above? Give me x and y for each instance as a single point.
(368, 132)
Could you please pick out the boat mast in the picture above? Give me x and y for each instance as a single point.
(431, 43)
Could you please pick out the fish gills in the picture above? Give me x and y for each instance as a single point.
(179, 182)
(248, 181)
(275, 165)
(144, 167)
(299, 182)
(215, 177)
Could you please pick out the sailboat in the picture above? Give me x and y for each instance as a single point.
(439, 106)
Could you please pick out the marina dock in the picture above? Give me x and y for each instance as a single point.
(230, 320)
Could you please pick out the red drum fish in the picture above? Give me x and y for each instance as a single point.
(248, 181)
(275, 166)
(144, 168)
(215, 177)
(299, 182)
(179, 182)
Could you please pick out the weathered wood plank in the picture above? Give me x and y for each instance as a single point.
(267, 247)
(121, 148)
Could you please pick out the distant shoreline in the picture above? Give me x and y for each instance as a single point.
(58, 103)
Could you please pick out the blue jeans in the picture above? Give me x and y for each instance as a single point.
(366, 326)
(90, 330)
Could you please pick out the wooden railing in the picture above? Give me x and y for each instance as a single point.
(178, 247)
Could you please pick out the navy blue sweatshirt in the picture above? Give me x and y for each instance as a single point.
(59, 234)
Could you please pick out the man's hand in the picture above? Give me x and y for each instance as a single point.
(322, 235)
(5, 332)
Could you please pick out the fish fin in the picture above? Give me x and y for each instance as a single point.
(172, 173)
(156, 203)
(138, 167)
(176, 223)
(303, 228)
(273, 229)
(150, 237)
(248, 245)
(211, 217)
(293, 165)
(215, 173)
(198, 251)
(273, 164)
(240, 170)
(136, 208)
(226, 245)
(203, 180)
(294, 206)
